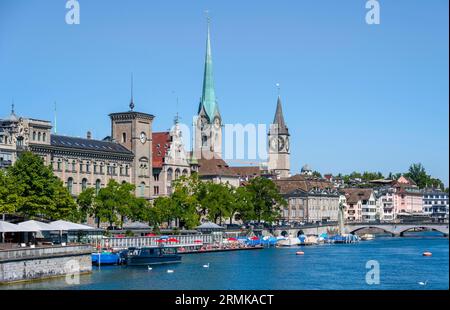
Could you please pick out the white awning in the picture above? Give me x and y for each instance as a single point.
(35, 226)
(65, 225)
(8, 227)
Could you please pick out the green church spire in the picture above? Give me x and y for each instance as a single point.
(208, 100)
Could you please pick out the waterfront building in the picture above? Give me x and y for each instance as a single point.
(385, 203)
(309, 199)
(436, 204)
(407, 196)
(361, 205)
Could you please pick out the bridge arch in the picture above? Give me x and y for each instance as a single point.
(358, 228)
(300, 232)
(427, 227)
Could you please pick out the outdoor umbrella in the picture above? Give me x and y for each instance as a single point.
(35, 226)
(232, 239)
(7, 227)
(173, 240)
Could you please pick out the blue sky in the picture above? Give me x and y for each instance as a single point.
(355, 97)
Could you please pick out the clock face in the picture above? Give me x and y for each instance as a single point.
(280, 143)
(143, 137)
(273, 144)
(217, 122)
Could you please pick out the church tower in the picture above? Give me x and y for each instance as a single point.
(208, 126)
(279, 161)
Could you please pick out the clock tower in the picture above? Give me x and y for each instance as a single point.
(133, 130)
(279, 151)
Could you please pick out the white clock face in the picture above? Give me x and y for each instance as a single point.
(143, 137)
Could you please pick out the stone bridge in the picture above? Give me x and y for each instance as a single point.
(398, 229)
(395, 229)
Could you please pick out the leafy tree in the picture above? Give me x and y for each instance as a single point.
(317, 174)
(218, 201)
(40, 193)
(86, 204)
(113, 202)
(266, 199)
(9, 198)
(185, 201)
(241, 205)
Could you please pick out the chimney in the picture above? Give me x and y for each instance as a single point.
(89, 135)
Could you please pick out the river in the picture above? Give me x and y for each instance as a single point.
(339, 266)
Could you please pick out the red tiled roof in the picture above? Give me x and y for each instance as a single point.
(353, 195)
(305, 183)
(160, 145)
(210, 167)
(247, 171)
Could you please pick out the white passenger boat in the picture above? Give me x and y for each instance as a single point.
(366, 237)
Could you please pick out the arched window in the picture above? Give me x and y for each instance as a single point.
(70, 185)
(126, 170)
(169, 174)
(177, 173)
(204, 140)
(83, 184)
(185, 172)
(98, 185)
(58, 165)
(142, 189)
(39, 136)
(44, 137)
(34, 135)
(74, 165)
(124, 137)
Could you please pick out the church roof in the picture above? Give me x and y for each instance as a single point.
(215, 167)
(301, 182)
(88, 144)
(279, 118)
(160, 146)
(208, 101)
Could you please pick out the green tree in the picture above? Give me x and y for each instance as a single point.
(266, 199)
(418, 174)
(9, 197)
(218, 201)
(317, 174)
(86, 204)
(113, 202)
(41, 193)
(242, 205)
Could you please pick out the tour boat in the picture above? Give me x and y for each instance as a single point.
(152, 255)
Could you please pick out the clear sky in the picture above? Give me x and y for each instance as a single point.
(355, 97)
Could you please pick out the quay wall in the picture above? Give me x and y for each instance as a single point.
(39, 263)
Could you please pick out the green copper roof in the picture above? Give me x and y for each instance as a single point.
(208, 100)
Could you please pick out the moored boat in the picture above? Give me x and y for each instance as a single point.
(152, 256)
(105, 258)
(289, 241)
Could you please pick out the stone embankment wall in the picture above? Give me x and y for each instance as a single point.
(38, 263)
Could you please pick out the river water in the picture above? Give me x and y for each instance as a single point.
(339, 266)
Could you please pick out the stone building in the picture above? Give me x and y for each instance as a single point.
(309, 199)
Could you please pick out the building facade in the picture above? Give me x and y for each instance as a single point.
(385, 203)
(361, 205)
(408, 197)
(436, 204)
(309, 200)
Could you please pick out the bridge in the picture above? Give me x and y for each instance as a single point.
(395, 229)
(398, 229)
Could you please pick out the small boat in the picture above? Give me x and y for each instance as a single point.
(105, 258)
(290, 241)
(152, 256)
(366, 237)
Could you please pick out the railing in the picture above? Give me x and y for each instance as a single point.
(183, 240)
